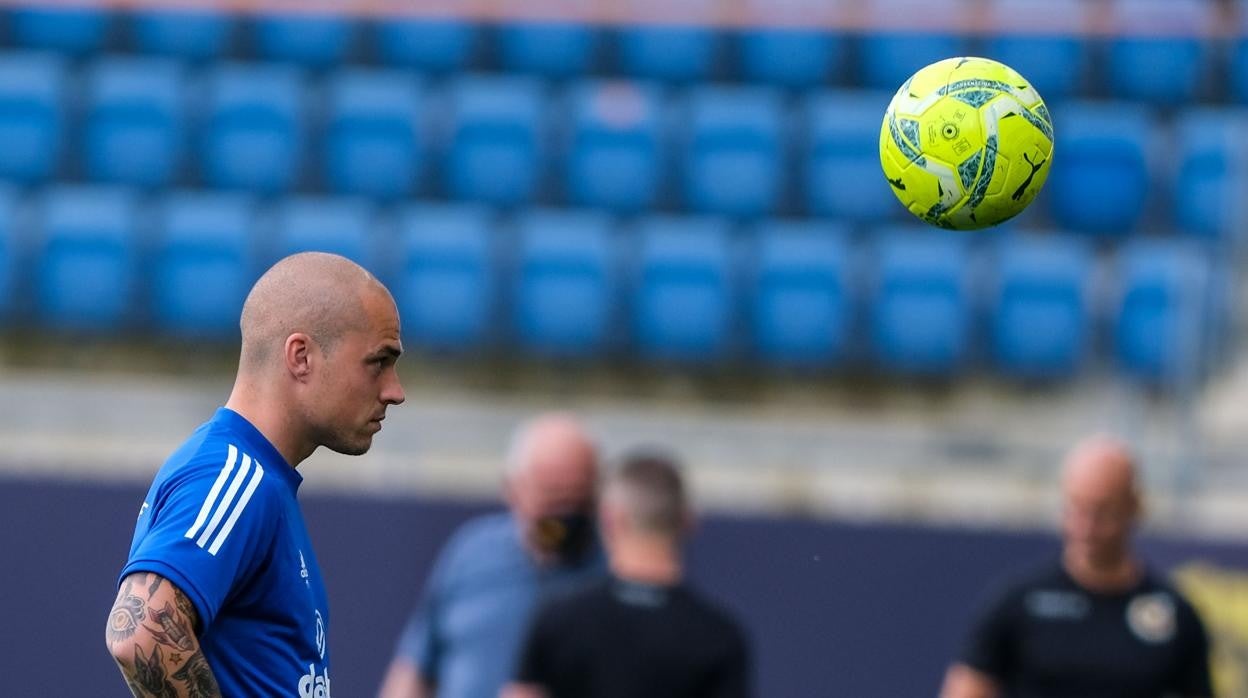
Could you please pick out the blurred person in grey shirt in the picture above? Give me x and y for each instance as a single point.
(464, 636)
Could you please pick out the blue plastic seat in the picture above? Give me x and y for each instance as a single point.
(566, 283)
(1162, 310)
(1160, 54)
(437, 46)
(341, 226)
(551, 49)
(802, 295)
(616, 149)
(9, 254)
(88, 260)
(254, 128)
(888, 56)
(312, 39)
(921, 310)
(204, 263)
(1238, 72)
(32, 116)
(1041, 316)
(677, 54)
(792, 58)
(446, 285)
(374, 145)
(1212, 173)
(841, 164)
(74, 30)
(194, 34)
(135, 118)
(734, 161)
(684, 296)
(1040, 39)
(496, 140)
(1100, 180)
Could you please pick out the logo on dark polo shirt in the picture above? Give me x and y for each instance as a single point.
(1057, 605)
(1152, 617)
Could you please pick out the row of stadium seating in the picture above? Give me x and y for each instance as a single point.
(1159, 56)
(626, 147)
(574, 283)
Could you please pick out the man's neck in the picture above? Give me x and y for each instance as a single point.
(274, 425)
(646, 561)
(1112, 576)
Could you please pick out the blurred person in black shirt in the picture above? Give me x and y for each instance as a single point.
(1097, 623)
(644, 633)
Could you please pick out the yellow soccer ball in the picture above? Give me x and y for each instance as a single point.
(966, 143)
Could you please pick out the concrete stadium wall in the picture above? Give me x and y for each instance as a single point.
(833, 609)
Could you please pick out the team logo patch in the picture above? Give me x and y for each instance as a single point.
(320, 635)
(1152, 617)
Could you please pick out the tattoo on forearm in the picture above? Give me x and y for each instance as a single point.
(198, 678)
(174, 630)
(149, 673)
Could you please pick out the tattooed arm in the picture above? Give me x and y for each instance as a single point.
(151, 635)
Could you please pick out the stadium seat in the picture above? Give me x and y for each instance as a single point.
(75, 30)
(550, 49)
(921, 311)
(1041, 317)
(792, 58)
(840, 168)
(1160, 53)
(677, 54)
(735, 152)
(908, 40)
(313, 39)
(341, 226)
(203, 263)
(1161, 310)
(32, 116)
(565, 284)
(684, 293)
(445, 287)
(1040, 39)
(253, 131)
(435, 46)
(1239, 58)
(87, 263)
(1212, 174)
(802, 295)
(1100, 179)
(374, 145)
(10, 252)
(616, 146)
(496, 140)
(134, 121)
(192, 34)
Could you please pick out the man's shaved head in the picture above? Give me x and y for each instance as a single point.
(316, 293)
(1101, 502)
(1100, 465)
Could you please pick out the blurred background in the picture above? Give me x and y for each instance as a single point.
(670, 218)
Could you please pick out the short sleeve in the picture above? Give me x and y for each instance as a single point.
(210, 527)
(1192, 678)
(990, 646)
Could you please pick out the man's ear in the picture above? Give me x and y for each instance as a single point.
(298, 354)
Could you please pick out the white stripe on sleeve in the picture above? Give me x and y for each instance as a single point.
(238, 509)
(225, 502)
(212, 493)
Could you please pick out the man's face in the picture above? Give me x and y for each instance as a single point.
(553, 498)
(1097, 520)
(358, 380)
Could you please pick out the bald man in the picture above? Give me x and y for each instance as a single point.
(1097, 623)
(221, 594)
(463, 638)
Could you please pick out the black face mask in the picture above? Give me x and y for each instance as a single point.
(567, 537)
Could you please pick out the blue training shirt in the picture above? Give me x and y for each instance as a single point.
(222, 523)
